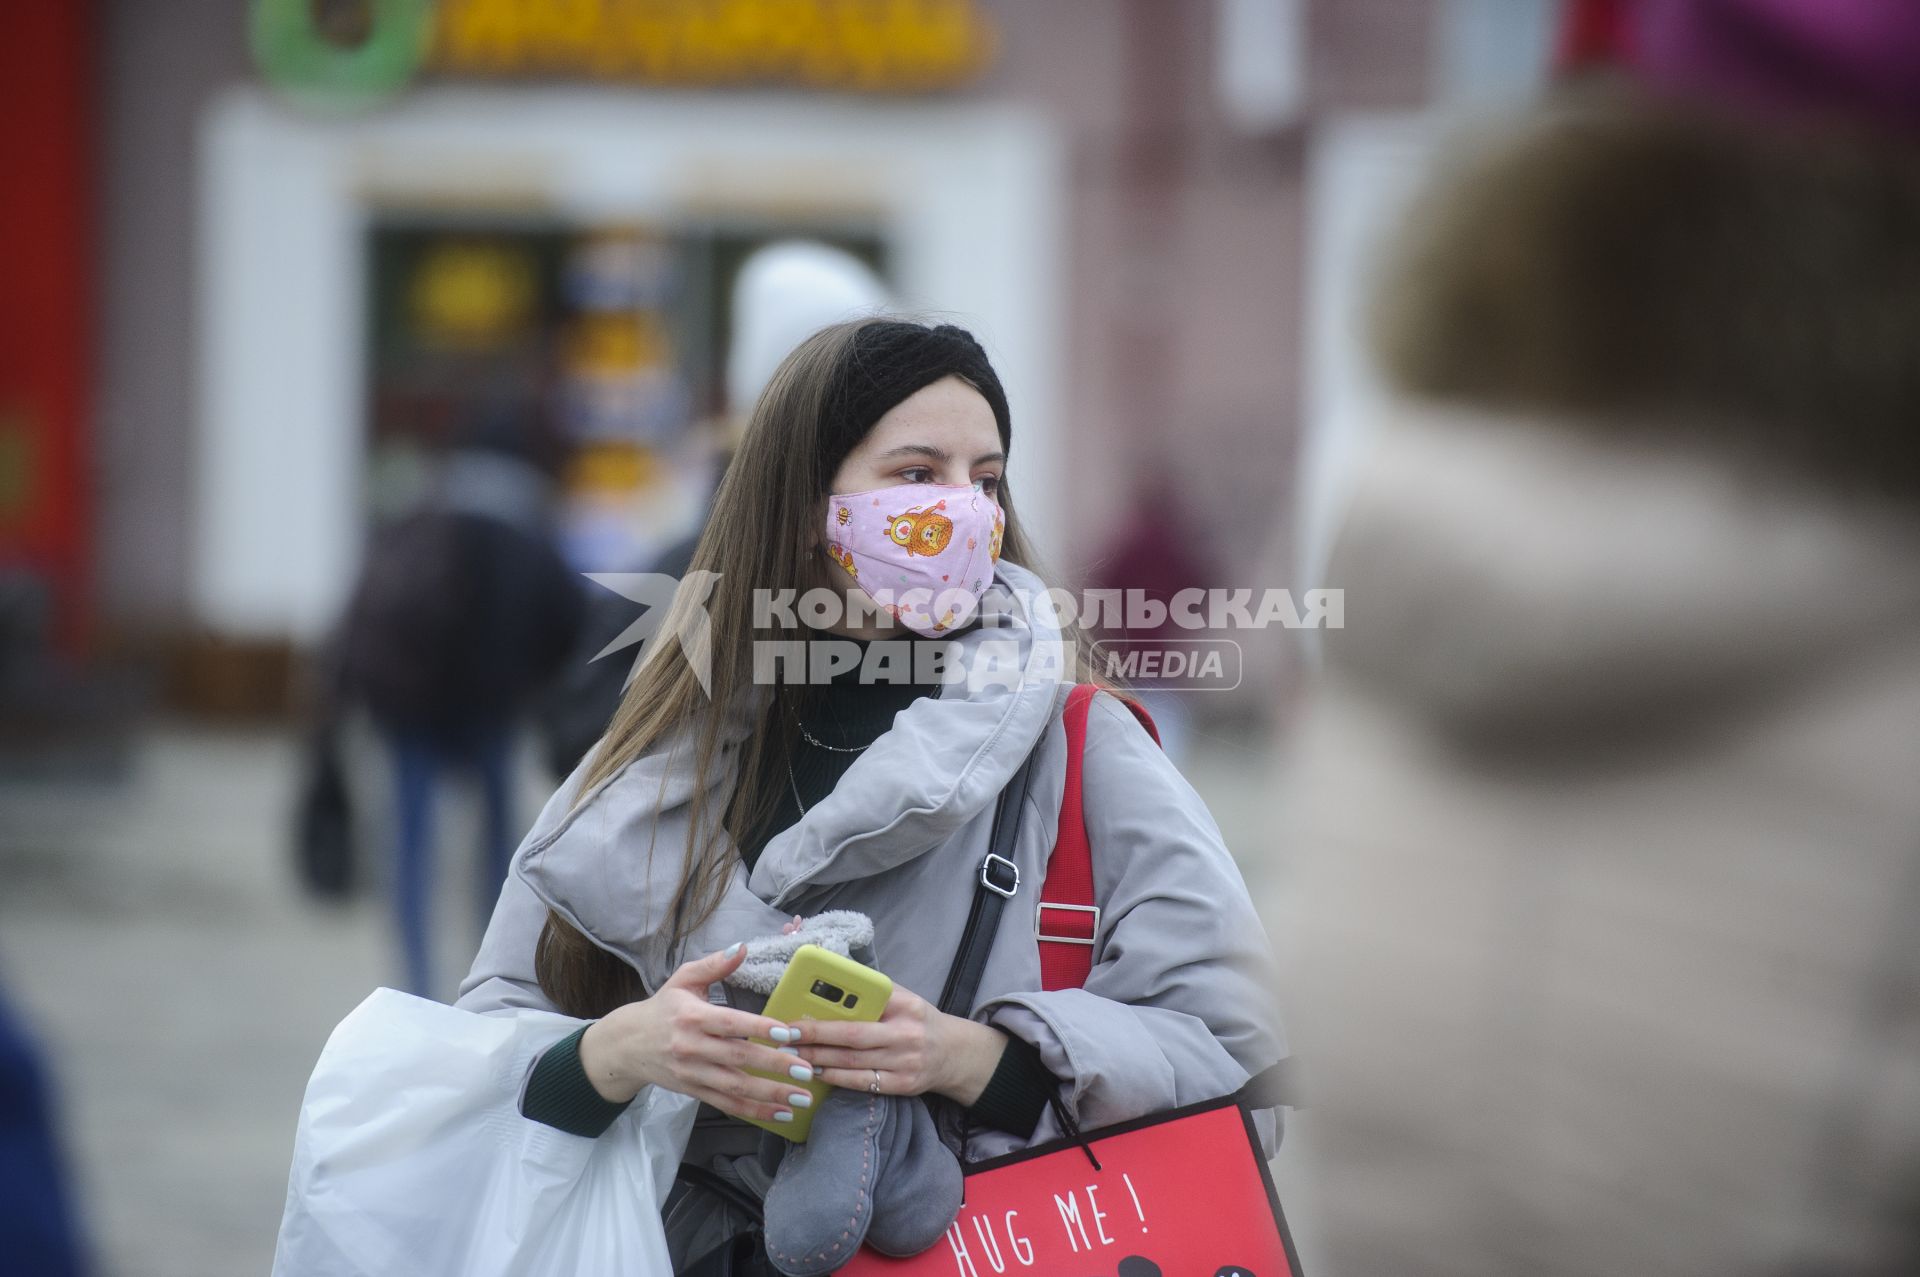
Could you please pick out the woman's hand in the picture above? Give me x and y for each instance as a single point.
(915, 1048)
(679, 1040)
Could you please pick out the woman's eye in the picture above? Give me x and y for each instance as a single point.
(918, 474)
(988, 484)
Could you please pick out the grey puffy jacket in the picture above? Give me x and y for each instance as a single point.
(1180, 1005)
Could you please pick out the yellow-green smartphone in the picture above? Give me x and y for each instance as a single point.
(819, 984)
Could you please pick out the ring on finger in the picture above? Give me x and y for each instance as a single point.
(873, 1087)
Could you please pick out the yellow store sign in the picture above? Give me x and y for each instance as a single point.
(862, 45)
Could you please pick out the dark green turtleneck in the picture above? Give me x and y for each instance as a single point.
(842, 717)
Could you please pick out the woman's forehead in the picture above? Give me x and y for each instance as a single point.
(948, 412)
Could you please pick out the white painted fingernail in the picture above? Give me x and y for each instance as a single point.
(800, 1073)
(734, 948)
(783, 1116)
(800, 1100)
(783, 1034)
(788, 1050)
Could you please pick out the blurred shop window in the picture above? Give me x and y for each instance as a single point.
(617, 333)
(458, 319)
(756, 295)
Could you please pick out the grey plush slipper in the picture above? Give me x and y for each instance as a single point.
(841, 931)
(873, 1169)
(918, 1193)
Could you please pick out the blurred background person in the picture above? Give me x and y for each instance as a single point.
(1608, 858)
(784, 293)
(1156, 557)
(463, 611)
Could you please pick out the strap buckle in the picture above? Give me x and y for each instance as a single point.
(1040, 916)
(1000, 875)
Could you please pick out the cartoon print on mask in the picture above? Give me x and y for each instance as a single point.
(993, 541)
(921, 529)
(926, 559)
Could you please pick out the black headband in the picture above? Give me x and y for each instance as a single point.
(890, 360)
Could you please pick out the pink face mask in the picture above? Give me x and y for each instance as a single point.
(923, 551)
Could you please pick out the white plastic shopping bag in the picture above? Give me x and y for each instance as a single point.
(412, 1156)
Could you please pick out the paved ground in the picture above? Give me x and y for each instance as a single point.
(152, 933)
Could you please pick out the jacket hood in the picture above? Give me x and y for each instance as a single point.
(944, 761)
(1522, 582)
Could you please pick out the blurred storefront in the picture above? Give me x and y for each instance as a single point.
(564, 249)
(544, 217)
(542, 205)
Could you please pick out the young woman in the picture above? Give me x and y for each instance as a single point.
(714, 812)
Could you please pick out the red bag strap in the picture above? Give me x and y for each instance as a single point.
(1068, 921)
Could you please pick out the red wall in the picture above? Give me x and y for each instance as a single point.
(46, 295)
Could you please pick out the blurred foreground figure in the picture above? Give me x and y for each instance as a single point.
(37, 1233)
(463, 609)
(1610, 885)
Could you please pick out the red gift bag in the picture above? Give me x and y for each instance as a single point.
(1184, 1194)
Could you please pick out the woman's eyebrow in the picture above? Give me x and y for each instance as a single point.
(917, 450)
(936, 454)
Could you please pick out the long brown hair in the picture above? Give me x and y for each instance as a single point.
(757, 537)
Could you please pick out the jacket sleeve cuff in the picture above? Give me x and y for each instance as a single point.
(559, 1093)
(1016, 1094)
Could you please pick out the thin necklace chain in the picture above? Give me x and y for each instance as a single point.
(791, 780)
(820, 744)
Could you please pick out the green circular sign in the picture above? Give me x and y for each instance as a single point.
(341, 51)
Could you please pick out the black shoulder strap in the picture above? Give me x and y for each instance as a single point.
(997, 883)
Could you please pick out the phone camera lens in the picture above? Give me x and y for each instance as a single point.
(831, 992)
